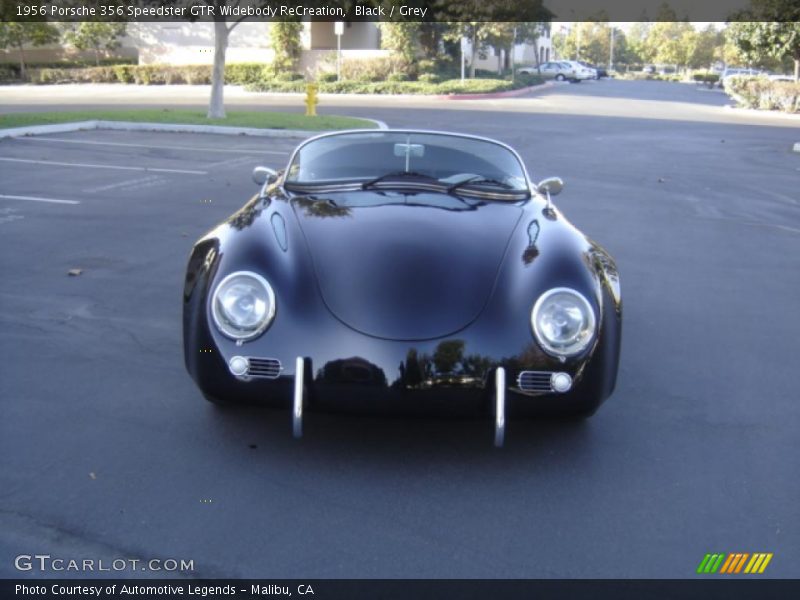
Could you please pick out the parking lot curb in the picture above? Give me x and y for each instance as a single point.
(762, 113)
(163, 127)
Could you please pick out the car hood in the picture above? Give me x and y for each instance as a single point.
(405, 267)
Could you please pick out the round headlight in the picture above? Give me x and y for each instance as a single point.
(243, 305)
(563, 321)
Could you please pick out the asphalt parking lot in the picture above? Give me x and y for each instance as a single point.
(110, 451)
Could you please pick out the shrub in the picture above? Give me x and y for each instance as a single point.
(174, 75)
(371, 69)
(761, 93)
(243, 73)
(326, 77)
(705, 77)
(453, 86)
(429, 78)
(528, 79)
(397, 77)
(123, 73)
(197, 74)
(9, 73)
(51, 75)
(79, 64)
(427, 66)
(288, 76)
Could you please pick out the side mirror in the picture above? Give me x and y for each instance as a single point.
(262, 175)
(551, 186)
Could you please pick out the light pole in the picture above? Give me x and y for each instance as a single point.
(611, 53)
(338, 29)
(463, 57)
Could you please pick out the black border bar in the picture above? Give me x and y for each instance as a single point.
(404, 589)
(394, 10)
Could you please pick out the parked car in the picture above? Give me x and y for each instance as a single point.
(781, 77)
(581, 72)
(601, 71)
(551, 70)
(737, 72)
(595, 70)
(403, 270)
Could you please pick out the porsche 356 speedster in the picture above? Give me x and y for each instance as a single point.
(391, 270)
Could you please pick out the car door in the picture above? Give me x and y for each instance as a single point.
(547, 70)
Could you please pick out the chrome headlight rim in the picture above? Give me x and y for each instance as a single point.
(542, 339)
(243, 335)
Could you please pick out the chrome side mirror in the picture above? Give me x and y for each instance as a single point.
(551, 186)
(263, 175)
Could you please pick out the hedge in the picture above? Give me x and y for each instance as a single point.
(451, 86)
(259, 77)
(764, 94)
(709, 78)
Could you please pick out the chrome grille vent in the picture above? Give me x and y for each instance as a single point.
(268, 368)
(535, 381)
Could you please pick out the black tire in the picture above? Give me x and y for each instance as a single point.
(559, 77)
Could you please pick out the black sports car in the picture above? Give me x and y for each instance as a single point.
(403, 271)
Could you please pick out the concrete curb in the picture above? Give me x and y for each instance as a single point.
(775, 114)
(163, 127)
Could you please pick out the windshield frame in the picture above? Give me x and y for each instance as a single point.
(529, 190)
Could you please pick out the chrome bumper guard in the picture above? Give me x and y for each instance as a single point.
(299, 394)
(499, 407)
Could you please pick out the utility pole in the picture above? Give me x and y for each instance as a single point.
(338, 29)
(463, 57)
(611, 53)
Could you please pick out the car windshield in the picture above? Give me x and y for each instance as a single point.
(444, 162)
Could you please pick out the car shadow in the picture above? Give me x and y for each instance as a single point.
(397, 440)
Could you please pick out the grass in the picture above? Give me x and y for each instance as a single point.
(236, 118)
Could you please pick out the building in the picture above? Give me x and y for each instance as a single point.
(185, 43)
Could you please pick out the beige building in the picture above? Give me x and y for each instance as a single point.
(184, 43)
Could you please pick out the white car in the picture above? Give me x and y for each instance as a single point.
(557, 70)
(737, 72)
(581, 72)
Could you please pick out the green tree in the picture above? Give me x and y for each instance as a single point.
(479, 21)
(638, 49)
(667, 42)
(223, 26)
(18, 35)
(703, 46)
(589, 41)
(96, 36)
(286, 43)
(401, 38)
(759, 41)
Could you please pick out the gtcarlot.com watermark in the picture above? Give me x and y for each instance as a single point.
(45, 563)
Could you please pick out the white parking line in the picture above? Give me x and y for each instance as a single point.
(36, 199)
(127, 145)
(92, 166)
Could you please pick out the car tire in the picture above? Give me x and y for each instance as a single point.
(559, 77)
